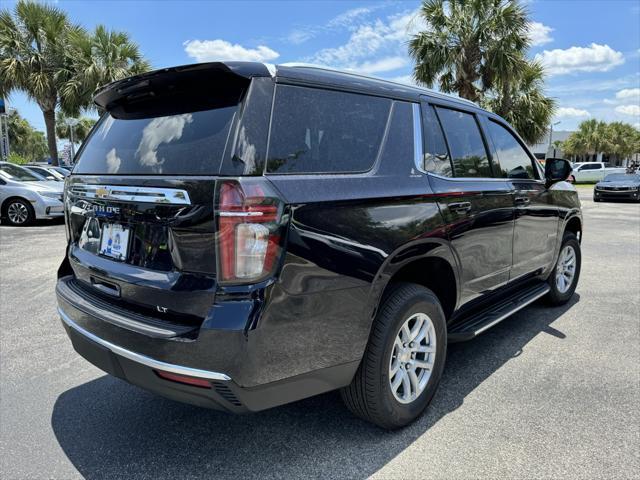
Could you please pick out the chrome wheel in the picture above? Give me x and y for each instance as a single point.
(565, 269)
(412, 358)
(18, 213)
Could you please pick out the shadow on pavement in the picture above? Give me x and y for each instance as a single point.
(108, 428)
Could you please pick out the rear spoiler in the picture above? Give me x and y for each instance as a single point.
(175, 90)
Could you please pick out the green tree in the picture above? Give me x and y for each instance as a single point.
(521, 101)
(477, 49)
(623, 139)
(57, 63)
(24, 140)
(98, 59)
(80, 131)
(591, 138)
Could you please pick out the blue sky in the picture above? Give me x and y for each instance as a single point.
(591, 48)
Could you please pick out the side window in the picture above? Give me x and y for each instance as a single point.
(397, 150)
(436, 155)
(514, 160)
(323, 131)
(468, 153)
(590, 166)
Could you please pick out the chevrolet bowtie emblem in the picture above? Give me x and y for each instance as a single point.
(102, 192)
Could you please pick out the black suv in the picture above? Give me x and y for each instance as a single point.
(242, 236)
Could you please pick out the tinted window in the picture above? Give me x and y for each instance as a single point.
(188, 143)
(316, 131)
(514, 160)
(397, 151)
(465, 142)
(436, 155)
(590, 166)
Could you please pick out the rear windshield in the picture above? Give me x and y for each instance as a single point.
(184, 144)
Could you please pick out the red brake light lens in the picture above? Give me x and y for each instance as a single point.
(249, 216)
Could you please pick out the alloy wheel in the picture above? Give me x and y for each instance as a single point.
(412, 358)
(565, 269)
(18, 213)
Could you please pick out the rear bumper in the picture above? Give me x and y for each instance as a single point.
(214, 357)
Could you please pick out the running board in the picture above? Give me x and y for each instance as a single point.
(478, 322)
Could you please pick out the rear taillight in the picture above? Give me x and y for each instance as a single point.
(250, 228)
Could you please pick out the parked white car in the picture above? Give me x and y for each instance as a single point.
(25, 196)
(592, 171)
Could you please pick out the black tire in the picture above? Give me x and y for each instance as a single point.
(369, 396)
(596, 199)
(21, 204)
(555, 296)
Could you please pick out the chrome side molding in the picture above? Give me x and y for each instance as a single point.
(143, 359)
(168, 196)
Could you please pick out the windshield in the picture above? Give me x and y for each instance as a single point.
(621, 177)
(188, 143)
(18, 174)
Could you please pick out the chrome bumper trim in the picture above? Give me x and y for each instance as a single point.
(144, 360)
(125, 193)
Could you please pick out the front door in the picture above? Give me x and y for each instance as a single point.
(536, 217)
(477, 208)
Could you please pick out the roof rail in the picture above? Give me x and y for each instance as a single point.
(427, 91)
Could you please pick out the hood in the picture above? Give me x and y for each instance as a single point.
(51, 185)
(620, 183)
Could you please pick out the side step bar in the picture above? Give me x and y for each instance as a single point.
(478, 322)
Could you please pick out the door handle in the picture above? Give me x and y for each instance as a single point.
(460, 207)
(521, 201)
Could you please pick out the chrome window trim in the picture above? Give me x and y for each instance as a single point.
(143, 359)
(167, 196)
(418, 152)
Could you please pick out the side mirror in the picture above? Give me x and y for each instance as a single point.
(556, 170)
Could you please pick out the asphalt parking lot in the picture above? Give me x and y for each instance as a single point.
(548, 393)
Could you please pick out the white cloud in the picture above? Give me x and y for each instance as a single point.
(221, 50)
(571, 112)
(372, 39)
(346, 20)
(628, 93)
(406, 79)
(158, 131)
(594, 58)
(539, 34)
(633, 110)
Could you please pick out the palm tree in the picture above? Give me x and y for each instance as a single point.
(25, 141)
(477, 49)
(80, 131)
(521, 101)
(469, 44)
(591, 138)
(624, 139)
(98, 59)
(57, 63)
(32, 58)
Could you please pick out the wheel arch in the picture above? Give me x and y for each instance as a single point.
(6, 201)
(574, 225)
(430, 264)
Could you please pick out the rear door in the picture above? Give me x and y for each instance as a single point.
(477, 208)
(140, 200)
(536, 217)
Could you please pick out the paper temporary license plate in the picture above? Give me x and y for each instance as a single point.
(114, 241)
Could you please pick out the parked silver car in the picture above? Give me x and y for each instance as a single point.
(24, 196)
(49, 173)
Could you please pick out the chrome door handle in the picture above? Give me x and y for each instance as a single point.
(460, 207)
(522, 200)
